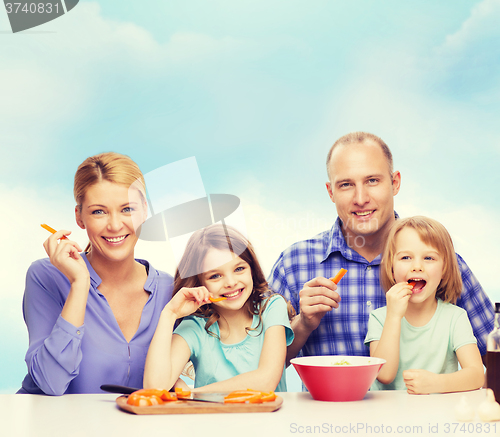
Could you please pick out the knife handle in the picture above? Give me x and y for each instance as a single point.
(120, 389)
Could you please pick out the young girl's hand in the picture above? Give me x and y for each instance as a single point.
(187, 300)
(397, 299)
(419, 381)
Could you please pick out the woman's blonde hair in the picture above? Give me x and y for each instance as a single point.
(434, 234)
(111, 167)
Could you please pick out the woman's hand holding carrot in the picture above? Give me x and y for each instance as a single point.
(65, 255)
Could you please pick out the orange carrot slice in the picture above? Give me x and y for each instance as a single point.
(168, 396)
(268, 397)
(250, 396)
(336, 279)
(143, 401)
(217, 299)
(256, 398)
(239, 393)
(148, 397)
(181, 393)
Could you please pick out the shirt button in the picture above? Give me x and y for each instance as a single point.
(368, 303)
(369, 268)
(78, 332)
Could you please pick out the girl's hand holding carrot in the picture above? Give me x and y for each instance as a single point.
(186, 301)
(397, 299)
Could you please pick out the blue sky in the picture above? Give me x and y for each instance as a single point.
(257, 91)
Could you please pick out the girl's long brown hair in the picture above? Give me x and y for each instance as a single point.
(221, 237)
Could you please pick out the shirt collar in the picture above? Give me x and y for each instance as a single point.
(149, 285)
(95, 280)
(336, 243)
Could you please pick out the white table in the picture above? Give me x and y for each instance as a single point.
(380, 413)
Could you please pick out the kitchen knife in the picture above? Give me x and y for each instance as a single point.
(199, 397)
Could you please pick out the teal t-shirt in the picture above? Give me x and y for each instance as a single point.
(215, 361)
(430, 347)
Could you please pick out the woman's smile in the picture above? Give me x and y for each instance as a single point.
(116, 239)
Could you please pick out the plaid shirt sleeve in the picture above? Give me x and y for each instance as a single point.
(278, 283)
(477, 304)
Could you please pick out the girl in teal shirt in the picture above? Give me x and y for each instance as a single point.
(233, 330)
(420, 333)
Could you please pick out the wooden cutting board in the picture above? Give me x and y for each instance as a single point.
(193, 407)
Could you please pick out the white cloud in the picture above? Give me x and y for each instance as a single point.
(479, 29)
(466, 65)
(188, 47)
(22, 235)
(83, 40)
(472, 227)
(270, 232)
(52, 78)
(21, 242)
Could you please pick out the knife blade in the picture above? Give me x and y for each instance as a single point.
(206, 397)
(199, 397)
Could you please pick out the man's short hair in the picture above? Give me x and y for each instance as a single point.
(360, 137)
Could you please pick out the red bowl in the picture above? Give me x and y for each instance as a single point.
(327, 379)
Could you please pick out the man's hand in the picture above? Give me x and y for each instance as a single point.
(318, 296)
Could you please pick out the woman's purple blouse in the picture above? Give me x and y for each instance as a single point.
(62, 358)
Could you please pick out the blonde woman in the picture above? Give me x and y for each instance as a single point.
(91, 315)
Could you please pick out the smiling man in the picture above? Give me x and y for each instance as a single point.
(333, 321)
(362, 186)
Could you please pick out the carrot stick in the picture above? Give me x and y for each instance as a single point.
(217, 299)
(336, 279)
(48, 228)
(250, 396)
